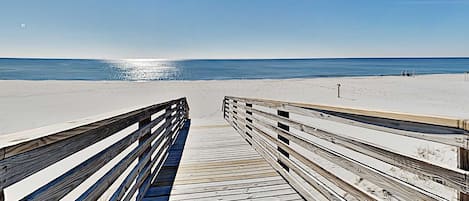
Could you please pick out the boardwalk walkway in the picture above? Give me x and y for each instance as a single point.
(215, 163)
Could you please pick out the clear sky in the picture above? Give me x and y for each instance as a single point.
(233, 28)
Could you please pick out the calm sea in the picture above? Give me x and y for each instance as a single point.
(81, 69)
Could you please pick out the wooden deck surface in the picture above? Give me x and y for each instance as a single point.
(215, 163)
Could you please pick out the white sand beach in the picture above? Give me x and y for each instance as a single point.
(31, 104)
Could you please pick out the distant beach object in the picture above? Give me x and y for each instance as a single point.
(466, 76)
(338, 90)
(407, 73)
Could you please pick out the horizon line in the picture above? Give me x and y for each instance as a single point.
(261, 58)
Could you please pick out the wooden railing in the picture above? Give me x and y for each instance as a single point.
(286, 143)
(154, 135)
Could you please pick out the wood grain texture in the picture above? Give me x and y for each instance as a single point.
(354, 191)
(435, 120)
(113, 123)
(453, 178)
(463, 163)
(273, 162)
(27, 158)
(22, 159)
(217, 164)
(148, 175)
(444, 135)
(379, 178)
(97, 189)
(239, 114)
(126, 183)
(65, 183)
(119, 193)
(285, 161)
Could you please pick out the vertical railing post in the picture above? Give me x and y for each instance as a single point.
(463, 163)
(248, 118)
(283, 139)
(141, 141)
(186, 109)
(223, 107)
(167, 123)
(2, 195)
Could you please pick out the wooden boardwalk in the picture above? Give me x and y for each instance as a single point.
(159, 154)
(215, 163)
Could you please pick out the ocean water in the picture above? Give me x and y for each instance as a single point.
(148, 69)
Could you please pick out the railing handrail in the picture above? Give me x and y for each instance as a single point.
(247, 117)
(426, 119)
(20, 160)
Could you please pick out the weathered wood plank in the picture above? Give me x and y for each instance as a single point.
(141, 165)
(140, 183)
(21, 164)
(455, 136)
(444, 175)
(222, 193)
(381, 179)
(444, 135)
(151, 176)
(62, 185)
(211, 169)
(217, 186)
(142, 158)
(23, 157)
(354, 191)
(293, 182)
(287, 165)
(96, 190)
(463, 163)
(122, 121)
(435, 120)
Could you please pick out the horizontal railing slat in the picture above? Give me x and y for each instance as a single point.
(21, 163)
(292, 181)
(119, 193)
(28, 156)
(450, 177)
(456, 135)
(452, 136)
(317, 184)
(139, 183)
(112, 123)
(442, 121)
(323, 172)
(96, 190)
(379, 178)
(62, 185)
(241, 114)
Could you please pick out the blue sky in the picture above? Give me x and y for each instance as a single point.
(233, 28)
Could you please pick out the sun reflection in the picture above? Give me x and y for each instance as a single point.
(146, 69)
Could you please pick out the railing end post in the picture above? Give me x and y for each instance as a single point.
(463, 163)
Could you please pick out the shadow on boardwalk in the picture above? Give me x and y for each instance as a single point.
(161, 188)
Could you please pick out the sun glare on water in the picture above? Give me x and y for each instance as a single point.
(146, 69)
